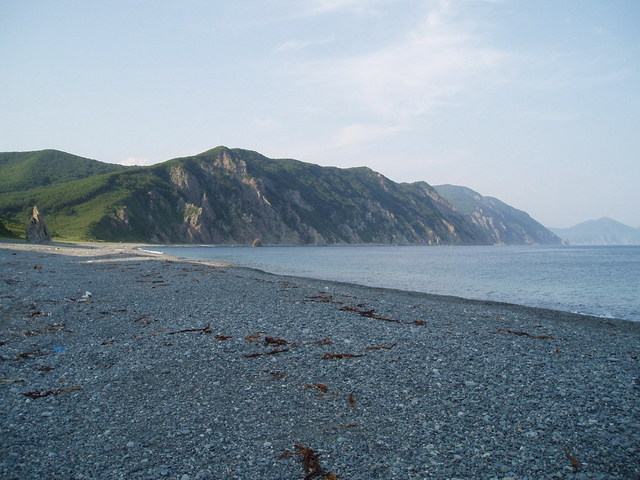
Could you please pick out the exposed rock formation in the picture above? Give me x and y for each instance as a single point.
(37, 232)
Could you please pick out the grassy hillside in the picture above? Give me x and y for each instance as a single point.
(28, 170)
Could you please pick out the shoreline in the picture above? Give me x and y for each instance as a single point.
(190, 369)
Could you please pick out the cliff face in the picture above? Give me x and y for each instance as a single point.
(502, 223)
(235, 196)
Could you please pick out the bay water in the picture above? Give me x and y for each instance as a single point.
(595, 280)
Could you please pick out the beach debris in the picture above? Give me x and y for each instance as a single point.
(49, 328)
(270, 352)
(310, 461)
(11, 380)
(274, 341)
(44, 368)
(328, 356)
(367, 313)
(524, 334)
(322, 299)
(276, 375)
(59, 349)
(319, 386)
(419, 322)
(206, 329)
(30, 355)
(352, 400)
(223, 337)
(348, 425)
(324, 341)
(381, 347)
(254, 337)
(575, 463)
(40, 394)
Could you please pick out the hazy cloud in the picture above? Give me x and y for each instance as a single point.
(132, 161)
(411, 74)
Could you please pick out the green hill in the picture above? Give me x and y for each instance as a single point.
(227, 196)
(27, 170)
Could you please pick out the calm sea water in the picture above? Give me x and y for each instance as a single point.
(595, 280)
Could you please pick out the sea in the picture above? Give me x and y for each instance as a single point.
(603, 281)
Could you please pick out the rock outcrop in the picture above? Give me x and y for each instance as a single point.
(37, 231)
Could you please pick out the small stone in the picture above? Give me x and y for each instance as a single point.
(267, 444)
(130, 444)
(184, 431)
(185, 477)
(470, 383)
(46, 414)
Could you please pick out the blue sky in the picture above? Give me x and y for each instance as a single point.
(534, 102)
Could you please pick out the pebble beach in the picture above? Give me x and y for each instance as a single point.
(118, 363)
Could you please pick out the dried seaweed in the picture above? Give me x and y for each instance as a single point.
(368, 313)
(203, 330)
(319, 386)
(575, 463)
(30, 355)
(324, 341)
(254, 337)
(322, 299)
(49, 328)
(339, 355)
(223, 337)
(525, 334)
(310, 462)
(419, 322)
(352, 400)
(274, 341)
(41, 394)
(11, 380)
(381, 347)
(270, 352)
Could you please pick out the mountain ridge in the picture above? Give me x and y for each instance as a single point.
(232, 196)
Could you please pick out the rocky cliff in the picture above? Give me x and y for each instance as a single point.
(501, 222)
(233, 196)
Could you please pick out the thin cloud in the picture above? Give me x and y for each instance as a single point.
(409, 76)
(132, 161)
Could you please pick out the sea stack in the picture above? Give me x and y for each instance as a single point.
(37, 232)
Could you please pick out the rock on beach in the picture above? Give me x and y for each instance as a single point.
(191, 370)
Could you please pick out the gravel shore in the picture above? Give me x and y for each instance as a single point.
(121, 364)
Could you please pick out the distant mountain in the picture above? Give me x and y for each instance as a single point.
(233, 196)
(603, 231)
(507, 225)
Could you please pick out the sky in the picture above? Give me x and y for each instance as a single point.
(535, 102)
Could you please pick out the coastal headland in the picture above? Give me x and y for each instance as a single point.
(118, 363)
